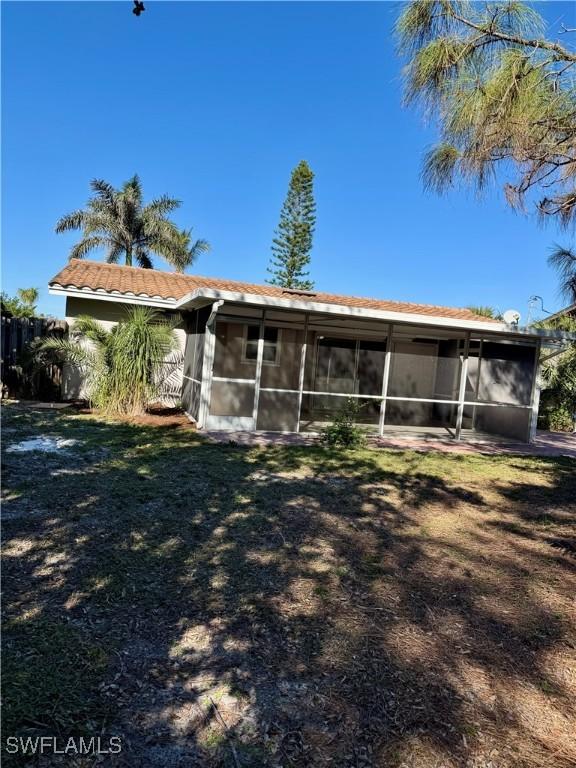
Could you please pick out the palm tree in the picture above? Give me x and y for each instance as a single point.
(29, 297)
(125, 367)
(190, 250)
(21, 305)
(485, 311)
(564, 262)
(117, 220)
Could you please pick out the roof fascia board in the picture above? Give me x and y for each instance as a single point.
(120, 298)
(202, 294)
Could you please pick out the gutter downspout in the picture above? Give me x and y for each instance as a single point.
(207, 365)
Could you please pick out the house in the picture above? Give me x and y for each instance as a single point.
(569, 311)
(259, 357)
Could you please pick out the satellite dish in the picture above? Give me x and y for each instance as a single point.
(511, 317)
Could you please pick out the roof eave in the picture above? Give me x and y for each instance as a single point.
(101, 295)
(204, 295)
(201, 296)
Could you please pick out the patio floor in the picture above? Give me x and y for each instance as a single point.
(433, 439)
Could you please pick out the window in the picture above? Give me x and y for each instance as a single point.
(271, 351)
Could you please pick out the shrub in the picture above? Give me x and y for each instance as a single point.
(554, 414)
(124, 366)
(344, 432)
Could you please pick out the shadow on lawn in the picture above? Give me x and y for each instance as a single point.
(158, 586)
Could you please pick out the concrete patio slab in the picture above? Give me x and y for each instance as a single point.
(38, 405)
(545, 444)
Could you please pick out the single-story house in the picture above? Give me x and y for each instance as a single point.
(260, 357)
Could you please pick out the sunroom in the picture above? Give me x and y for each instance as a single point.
(275, 369)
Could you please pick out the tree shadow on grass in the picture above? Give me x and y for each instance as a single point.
(349, 609)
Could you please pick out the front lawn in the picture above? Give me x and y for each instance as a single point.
(216, 605)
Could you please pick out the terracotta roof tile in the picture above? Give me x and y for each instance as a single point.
(152, 283)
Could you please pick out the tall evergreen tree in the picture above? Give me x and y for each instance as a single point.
(293, 242)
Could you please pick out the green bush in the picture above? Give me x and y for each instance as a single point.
(344, 432)
(554, 414)
(558, 400)
(561, 420)
(123, 367)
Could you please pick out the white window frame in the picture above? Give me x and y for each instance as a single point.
(278, 345)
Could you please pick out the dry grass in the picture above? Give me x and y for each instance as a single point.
(289, 606)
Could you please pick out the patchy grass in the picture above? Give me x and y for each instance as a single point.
(287, 606)
(51, 679)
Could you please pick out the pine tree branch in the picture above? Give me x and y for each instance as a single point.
(562, 54)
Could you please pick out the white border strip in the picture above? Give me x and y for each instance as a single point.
(118, 298)
(202, 296)
(209, 294)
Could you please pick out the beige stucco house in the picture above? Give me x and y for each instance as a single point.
(259, 357)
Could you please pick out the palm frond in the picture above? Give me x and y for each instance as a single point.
(86, 245)
(104, 190)
(133, 188)
(92, 329)
(190, 252)
(161, 206)
(54, 349)
(114, 252)
(143, 259)
(485, 311)
(70, 221)
(563, 260)
(198, 248)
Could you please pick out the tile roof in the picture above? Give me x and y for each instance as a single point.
(154, 284)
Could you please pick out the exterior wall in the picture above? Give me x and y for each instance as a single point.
(109, 313)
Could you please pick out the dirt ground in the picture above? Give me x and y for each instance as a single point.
(220, 605)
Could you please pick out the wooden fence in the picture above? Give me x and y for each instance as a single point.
(20, 378)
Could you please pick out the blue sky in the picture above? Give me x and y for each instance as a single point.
(214, 103)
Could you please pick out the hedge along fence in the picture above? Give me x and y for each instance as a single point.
(18, 375)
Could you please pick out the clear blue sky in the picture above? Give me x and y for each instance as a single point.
(214, 103)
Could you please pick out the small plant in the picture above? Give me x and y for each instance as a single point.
(344, 431)
(558, 418)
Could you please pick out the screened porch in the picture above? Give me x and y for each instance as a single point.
(284, 371)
